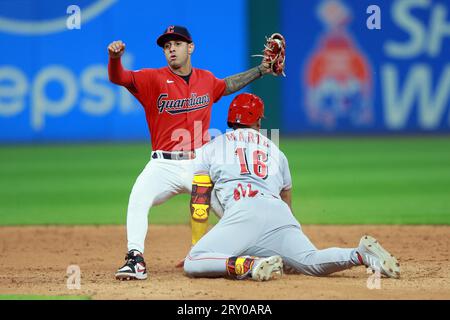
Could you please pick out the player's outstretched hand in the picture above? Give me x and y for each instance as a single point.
(116, 49)
(180, 264)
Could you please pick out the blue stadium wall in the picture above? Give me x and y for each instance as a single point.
(54, 83)
(348, 72)
(342, 77)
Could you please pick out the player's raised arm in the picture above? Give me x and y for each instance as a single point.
(238, 81)
(116, 49)
(117, 74)
(273, 59)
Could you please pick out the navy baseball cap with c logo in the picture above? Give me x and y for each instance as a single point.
(174, 33)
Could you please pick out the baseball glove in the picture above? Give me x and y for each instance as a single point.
(274, 54)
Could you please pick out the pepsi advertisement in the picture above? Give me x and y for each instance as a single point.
(366, 66)
(54, 82)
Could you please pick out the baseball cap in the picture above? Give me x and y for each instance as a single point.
(174, 33)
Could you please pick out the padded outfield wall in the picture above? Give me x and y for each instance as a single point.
(356, 68)
(54, 83)
(342, 77)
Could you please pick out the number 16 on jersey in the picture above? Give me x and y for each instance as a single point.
(259, 162)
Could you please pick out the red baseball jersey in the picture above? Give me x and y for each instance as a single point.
(178, 113)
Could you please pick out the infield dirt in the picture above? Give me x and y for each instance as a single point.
(34, 260)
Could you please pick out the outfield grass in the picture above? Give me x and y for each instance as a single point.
(335, 181)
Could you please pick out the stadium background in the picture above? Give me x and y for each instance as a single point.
(367, 142)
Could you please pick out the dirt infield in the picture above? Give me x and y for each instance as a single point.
(34, 260)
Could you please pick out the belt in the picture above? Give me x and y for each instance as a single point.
(176, 155)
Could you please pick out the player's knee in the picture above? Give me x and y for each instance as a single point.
(193, 266)
(140, 205)
(189, 268)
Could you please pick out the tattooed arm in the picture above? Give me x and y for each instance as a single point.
(238, 81)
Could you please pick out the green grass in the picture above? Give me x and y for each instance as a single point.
(335, 181)
(401, 181)
(35, 297)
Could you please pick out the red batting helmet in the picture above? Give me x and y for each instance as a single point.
(246, 109)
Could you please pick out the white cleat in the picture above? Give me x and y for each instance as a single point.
(377, 258)
(267, 268)
(134, 268)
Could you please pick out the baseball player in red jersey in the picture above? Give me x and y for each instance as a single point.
(177, 100)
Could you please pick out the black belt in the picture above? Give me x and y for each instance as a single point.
(181, 155)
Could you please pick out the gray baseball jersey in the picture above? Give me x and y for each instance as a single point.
(242, 163)
(248, 172)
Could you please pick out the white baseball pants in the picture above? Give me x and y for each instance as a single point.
(160, 180)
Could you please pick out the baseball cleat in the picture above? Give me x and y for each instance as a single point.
(134, 268)
(267, 268)
(374, 256)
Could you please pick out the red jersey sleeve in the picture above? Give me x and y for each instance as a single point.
(137, 82)
(143, 80)
(118, 75)
(219, 87)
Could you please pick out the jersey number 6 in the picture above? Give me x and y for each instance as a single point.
(259, 162)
